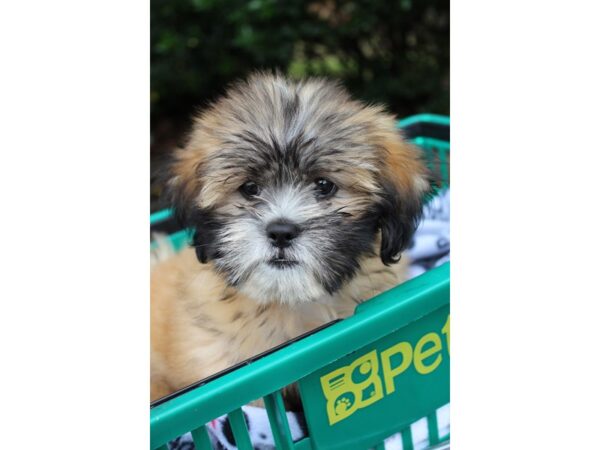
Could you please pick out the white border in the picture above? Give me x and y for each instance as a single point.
(74, 322)
(524, 105)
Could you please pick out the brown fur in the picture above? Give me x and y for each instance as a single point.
(200, 326)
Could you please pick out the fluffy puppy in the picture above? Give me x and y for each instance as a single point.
(301, 201)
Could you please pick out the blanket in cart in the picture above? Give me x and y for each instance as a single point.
(430, 248)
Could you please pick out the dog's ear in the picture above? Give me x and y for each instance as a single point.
(182, 188)
(405, 184)
(181, 179)
(399, 215)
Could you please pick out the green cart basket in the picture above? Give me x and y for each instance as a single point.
(361, 379)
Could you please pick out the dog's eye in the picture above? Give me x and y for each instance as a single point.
(249, 189)
(325, 188)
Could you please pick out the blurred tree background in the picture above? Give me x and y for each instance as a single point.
(394, 52)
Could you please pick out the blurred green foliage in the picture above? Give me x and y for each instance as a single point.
(395, 52)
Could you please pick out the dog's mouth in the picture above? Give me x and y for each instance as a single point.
(282, 263)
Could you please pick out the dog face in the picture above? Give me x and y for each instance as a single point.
(288, 186)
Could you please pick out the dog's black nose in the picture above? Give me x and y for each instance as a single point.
(281, 234)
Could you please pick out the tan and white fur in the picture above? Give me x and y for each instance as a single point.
(301, 201)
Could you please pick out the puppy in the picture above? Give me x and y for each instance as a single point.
(301, 201)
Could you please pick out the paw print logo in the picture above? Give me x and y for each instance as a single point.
(342, 405)
(352, 387)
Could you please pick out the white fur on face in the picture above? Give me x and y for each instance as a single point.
(248, 249)
(290, 285)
